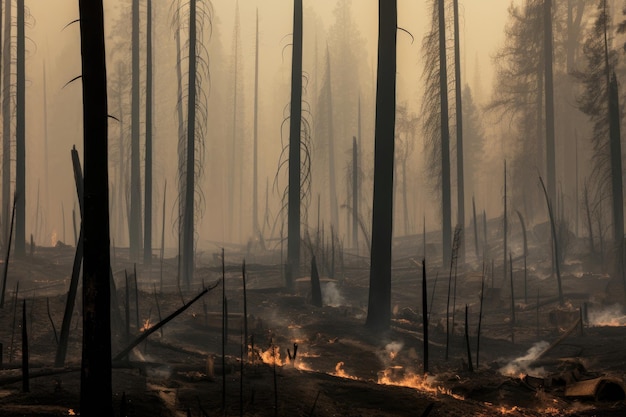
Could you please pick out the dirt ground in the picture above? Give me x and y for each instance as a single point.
(341, 368)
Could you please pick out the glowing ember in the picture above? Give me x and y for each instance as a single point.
(505, 410)
(146, 325)
(71, 412)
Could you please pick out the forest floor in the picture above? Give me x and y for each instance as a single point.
(341, 367)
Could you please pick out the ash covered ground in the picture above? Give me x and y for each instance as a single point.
(535, 366)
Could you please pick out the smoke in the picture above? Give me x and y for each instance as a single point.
(522, 364)
(390, 353)
(612, 315)
(331, 295)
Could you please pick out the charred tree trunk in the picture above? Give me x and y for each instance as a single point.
(616, 176)
(233, 175)
(256, 231)
(332, 179)
(355, 195)
(549, 97)
(505, 227)
(96, 390)
(187, 260)
(20, 136)
(459, 133)
(147, 238)
(135, 180)
(78, 259)
(379, 307)
(316, 289)
(25, 373)
(6, 123)
(293, 215)
(446, 205)
(425, 314)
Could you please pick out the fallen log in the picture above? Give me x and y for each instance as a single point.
(160, 324)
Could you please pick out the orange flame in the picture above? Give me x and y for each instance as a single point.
(146, 325)
(71, 412)
(270, 355)
(504, 410)
(409, 379)
(341, 373)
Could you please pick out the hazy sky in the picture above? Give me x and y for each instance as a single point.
(482, 26)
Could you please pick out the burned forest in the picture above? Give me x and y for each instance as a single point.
(312, 208)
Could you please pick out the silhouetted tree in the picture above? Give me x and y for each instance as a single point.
(20, 134)
(6, 122)
(598, 101)
(295, 129)
(191, 144)
(134, 234)
(147, 239)
(379, 306)
(96, 390)
(436, 123)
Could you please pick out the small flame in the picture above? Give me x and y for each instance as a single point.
(146, 325)
(53, 241)
(341, 373)
(412, 380)
(272, 356)
(71, 412)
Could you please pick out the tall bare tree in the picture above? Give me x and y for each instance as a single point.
(193, 15)
(6, 121)
(96, 390)
(295, 129)
(436, 123)
(20, 134)
(134, 222)
(379, 306)
(147, 239)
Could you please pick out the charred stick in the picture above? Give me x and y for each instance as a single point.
(160, 324)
